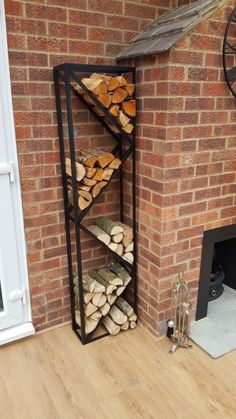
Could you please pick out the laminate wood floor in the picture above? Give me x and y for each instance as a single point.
(52, 376)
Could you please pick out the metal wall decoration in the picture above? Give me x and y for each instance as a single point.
(229, 53)
(65, 75)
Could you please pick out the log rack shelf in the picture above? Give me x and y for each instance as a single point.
(68, 85)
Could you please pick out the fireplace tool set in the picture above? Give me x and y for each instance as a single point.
(178, 327)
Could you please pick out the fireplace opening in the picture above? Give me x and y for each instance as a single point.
(218, 267)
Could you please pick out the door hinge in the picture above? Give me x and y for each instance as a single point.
(17, 295)
(7, 168)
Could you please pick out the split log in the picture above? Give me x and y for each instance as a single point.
(90, 172)
(128, 128)
(104, 99)
(88, 161)
(83, 203)
(120, 290)
(113, 84)
(128, 233)
(108, 288)
(122, 119)
(83, 187)
(117, 315)
(129, 257)
(100, 234)
(113, 246)
(111, 298)
(95, 316)
(129, 108)
(90, 325)
(97, 86)
(119, 95)
(97, 188)
(88, 296)
(121, 81)
(120, 271)
(124, 326)
(90, 308)
(113, 110)
(102, 300)
(80, 170)
(99, 174)
(120, 249)
(89, 182)
(109, 226)
(133, 317)
(130, 247)
(107, 173)
(124, 306)
(105, 309)
(96, 298)
(88, 283)
(115, 164)
(109, 276)
(85, 194)
(104, 159)
(130, 89)
(104, 77)
(112, 328)
(132, 325)
(117, 238)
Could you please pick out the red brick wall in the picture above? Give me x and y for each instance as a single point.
(186, 162)
(42, 34)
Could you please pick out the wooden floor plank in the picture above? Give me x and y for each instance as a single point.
(132, 375)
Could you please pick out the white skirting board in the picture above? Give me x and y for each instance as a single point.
(17, 332)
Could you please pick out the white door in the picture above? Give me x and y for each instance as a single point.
(15, 313)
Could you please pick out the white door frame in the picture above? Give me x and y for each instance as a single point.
(26, 328)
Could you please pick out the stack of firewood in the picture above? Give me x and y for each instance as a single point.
(116, 235)
(93, 170)
(121, 317)
(115, 94)
(101, 289)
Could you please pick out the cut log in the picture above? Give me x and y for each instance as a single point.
(124, 306)
(99, 174)
(83, 203)
(130, 89)
(109, 226)
(90, 308)
(105, 309)
(120, 290)
(128, 128)
(90, 325)
(102, 300)
(96, 298)
(120, 271)
(117, 315)
(113, 246)
(89, 182)
(128, 234)
(105, 159)
(98, 76)
(109, 276)
(117, 238)
(97, 188)
(115, 164)
(124, 326)
(88, 297)
(104, 99)
(100, 234)
(120, 249)
(112, 328)
(107, 173)
(80, 170)
(129, 257)
(133, 317)
(97, 86)
(90, 172)
(113, 84)
(121, 81)
(88, 283)
(85, 194)
(96, 316)
(132, 325)
(108, 288)
(83, 187)
(129, 108)
(113, 110)
(119, 95)
(130, 247)
(111, 298)
(122, 119)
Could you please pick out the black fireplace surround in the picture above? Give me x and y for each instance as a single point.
(223, 240)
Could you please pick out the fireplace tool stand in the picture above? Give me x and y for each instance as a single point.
(180, 315)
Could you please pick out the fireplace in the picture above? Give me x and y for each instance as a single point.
(219, 249)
